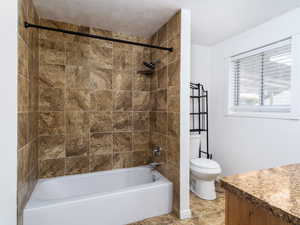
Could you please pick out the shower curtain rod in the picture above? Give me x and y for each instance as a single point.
(28, 25)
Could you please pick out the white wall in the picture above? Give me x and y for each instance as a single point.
(185, 71)
(8, 113)
(201, 65)
(244, 144)
(201, 71)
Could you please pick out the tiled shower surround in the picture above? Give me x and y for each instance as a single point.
(165, 111)
(28, 108)
(94, 106)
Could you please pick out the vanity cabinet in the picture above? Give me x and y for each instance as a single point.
(263, 197)
(240, 211)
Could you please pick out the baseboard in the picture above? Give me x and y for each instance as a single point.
(185, 214)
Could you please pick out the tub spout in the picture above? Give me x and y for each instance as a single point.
(154, 165)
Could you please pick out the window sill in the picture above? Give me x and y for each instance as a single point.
(281, 116)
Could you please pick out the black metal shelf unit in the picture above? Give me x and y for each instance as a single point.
(199, 114)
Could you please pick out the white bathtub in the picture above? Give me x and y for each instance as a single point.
(115, 197)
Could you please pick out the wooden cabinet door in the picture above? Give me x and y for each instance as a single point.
(242, 212)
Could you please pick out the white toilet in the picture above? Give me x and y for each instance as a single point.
(203, 175)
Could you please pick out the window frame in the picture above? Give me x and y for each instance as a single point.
(277, 112)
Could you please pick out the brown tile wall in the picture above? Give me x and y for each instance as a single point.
(28, 92)
(94, 107)
(165, 102)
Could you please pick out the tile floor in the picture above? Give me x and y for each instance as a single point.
(203, 213)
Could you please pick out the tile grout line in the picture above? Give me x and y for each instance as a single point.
(65, 121)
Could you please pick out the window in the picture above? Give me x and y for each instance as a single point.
(261, 79)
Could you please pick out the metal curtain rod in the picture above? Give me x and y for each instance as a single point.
(28, 25)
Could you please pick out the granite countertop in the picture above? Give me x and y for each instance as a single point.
(276, 189)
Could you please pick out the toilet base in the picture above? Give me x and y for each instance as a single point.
(203, 189)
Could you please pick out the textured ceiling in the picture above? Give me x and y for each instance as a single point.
(212, 20)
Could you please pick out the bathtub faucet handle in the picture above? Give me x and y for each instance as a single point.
(156, 151)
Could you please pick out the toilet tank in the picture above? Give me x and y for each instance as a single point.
(194, 146)
(195, 140)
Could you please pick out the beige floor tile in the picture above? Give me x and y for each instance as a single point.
(203, 213)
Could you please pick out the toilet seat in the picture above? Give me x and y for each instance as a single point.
(195, 169)
(205, 164)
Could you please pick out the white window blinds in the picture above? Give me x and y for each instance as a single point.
(262, 78)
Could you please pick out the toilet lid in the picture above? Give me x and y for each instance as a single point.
(205, 163)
